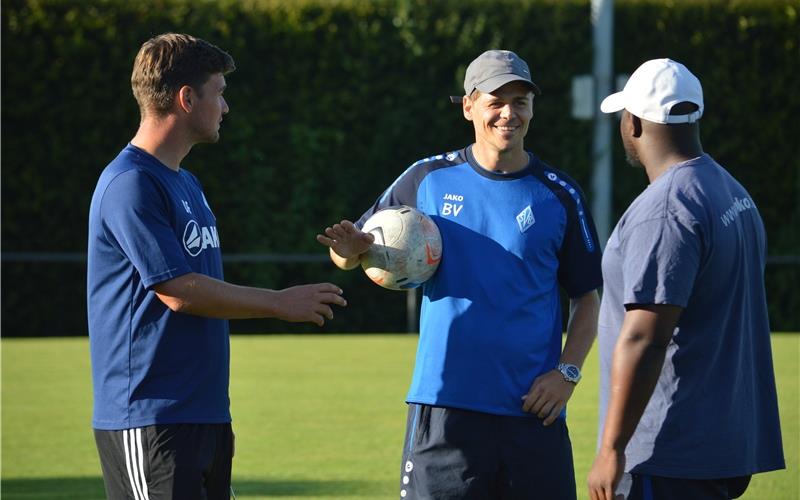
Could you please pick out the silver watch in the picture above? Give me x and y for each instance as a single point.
(570, 372)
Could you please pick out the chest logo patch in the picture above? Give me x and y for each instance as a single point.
(525, 219)
(196, 238)
(449, 207)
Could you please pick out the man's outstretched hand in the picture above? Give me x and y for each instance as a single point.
(346, 239)
(308, 303)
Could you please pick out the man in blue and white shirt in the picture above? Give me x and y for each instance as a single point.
(486, 403)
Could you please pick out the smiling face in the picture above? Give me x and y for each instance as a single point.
(501, 118)
(208, 109)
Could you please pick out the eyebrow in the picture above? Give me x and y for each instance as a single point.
(493, 98)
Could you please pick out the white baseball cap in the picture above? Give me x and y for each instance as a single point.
(654, 88)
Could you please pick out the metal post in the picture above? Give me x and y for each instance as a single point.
(603, 70)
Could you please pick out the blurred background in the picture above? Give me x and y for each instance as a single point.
(332, 100)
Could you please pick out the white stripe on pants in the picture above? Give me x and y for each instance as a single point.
(134, 462)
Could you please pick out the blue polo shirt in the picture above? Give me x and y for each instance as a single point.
(149, 224)
(491, 315)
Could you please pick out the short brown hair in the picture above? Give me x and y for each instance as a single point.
(169, 61)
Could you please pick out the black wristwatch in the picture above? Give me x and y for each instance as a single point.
(570, 372)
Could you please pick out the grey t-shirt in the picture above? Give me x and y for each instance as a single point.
(694, 238)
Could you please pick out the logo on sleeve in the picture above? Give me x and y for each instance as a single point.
(525, 219)
(197, 238)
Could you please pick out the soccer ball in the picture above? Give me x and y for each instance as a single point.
(407, 248)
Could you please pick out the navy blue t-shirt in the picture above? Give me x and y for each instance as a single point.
(491, 315)
(149, 224)
(694, 239)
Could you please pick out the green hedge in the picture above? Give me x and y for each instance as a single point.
(333, 99)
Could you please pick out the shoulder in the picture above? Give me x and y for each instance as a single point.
(191, 178)
(565, 188)
(673, 200)
(555, 178)
(427, 165)
(414, 174)
(128, 185)
(131, 177)
(687, 191)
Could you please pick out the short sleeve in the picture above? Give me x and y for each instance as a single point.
(662, 257)
(403, 191)
(579, 267)
(136, 220)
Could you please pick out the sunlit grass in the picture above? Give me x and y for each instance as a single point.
(315, 417)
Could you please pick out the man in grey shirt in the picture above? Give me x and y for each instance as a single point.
(688, 404)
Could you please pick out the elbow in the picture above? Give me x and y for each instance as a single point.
(176, 293)
(644, 343)
(174, 304)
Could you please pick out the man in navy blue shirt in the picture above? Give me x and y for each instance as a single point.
(486, 404)
(688, 404)
(157, 303)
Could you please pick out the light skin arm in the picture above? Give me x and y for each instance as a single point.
(549, 393)
(635, 368)
(346, 243)
(202, 295)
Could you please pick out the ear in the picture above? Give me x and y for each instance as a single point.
(630, 125)
(186, 98)
(637, 125)
(466, 107)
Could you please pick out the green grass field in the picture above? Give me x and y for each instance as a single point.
(315, 417)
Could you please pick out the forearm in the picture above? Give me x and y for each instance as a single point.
(635, 369)
(202, 295)
(581, 328)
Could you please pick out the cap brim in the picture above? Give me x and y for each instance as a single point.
(613, 103)
(494, 83)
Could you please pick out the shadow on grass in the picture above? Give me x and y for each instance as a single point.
(91, 488)
(301, 488)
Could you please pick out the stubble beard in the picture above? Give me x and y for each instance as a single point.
(631, 157)
(633, 161)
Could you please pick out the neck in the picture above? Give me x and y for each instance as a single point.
(656, 164)
(662, 146)
(162, 138)
(500, 161)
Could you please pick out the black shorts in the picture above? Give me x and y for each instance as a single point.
(644, 487)
(458, 454)
(173, 461)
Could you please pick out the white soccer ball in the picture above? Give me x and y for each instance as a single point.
(407, 248)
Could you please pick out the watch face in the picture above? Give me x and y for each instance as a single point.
(572, 372)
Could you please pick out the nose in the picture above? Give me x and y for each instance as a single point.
(225, 107)
(507, 112)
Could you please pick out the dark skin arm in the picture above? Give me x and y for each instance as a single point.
(635, 368)
(202, 295)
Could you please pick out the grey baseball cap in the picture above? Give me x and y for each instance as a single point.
(493, 69)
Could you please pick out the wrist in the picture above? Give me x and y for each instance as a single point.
(570, 372)
(345, 263)
(613, 444)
